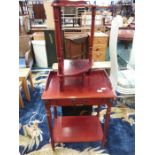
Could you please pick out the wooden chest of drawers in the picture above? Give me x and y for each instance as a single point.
(100, 46)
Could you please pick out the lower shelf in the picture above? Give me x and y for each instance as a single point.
(77, 129)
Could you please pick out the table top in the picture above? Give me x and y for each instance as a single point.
(129, 27)
(24, 72)
(95, 85)
(126, 34)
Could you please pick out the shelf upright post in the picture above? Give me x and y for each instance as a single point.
(92, 34)
(59, 47)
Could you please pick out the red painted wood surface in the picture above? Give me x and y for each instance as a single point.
(91, 36)
(94, 85)
(75, 67)
(77, 129)
(59, 44)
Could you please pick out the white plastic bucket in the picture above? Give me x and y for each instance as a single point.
(40, 53)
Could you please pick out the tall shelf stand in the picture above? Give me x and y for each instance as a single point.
(65, 87)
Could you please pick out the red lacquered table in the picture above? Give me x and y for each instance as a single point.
(126, 35)
(94, 89)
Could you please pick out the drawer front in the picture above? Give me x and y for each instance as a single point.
(80, 102)
(77, 102)
(100, 40)
(99, 55)
(99, 47)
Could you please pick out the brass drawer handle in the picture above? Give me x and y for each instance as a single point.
(97, 49)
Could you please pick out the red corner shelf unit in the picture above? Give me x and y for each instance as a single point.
(76, 69)
(67, 88)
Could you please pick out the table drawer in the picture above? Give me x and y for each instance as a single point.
(81, 102)
(99, 47)
(76, 102)
(99, 55)
(100, 40)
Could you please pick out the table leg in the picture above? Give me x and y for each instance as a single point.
(126, 44)
(61, 79)
(55, 112)
(26, 89)
(49, 120)
(21, 103)
(30, 76)
(98, 110)
(106, 123)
